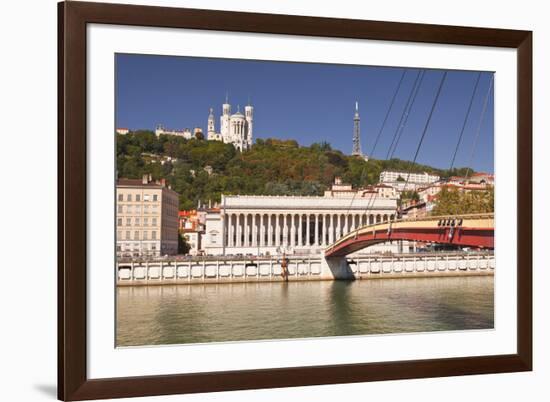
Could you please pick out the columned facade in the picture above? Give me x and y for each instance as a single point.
(261, 225)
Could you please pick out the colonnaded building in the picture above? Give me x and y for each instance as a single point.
(261, 225)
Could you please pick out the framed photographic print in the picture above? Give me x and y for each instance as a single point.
(253, 200)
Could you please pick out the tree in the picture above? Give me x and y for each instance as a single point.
(183, 246)
(454, 202)
(272, 166)
(410, 195)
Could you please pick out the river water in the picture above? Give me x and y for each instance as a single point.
(156, 315)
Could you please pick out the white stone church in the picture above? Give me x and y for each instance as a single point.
(235, 128)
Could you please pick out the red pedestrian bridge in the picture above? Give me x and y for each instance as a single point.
(460, 230)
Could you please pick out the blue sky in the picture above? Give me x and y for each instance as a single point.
(311, 103)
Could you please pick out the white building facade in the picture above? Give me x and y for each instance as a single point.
(261, 225)
(235, 128)
(402, 181)
(388, 176)
(185, 133)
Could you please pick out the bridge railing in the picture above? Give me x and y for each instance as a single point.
(489, 215)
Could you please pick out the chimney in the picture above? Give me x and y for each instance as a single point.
(144, 179)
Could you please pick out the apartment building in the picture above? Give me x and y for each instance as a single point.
(146, 218)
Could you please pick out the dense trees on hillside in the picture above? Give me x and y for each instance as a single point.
(454, 202)
(272, 166)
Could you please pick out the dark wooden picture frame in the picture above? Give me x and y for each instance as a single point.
(73, 382)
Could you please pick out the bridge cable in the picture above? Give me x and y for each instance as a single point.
(425, 129)
(465, 121)
(388, 112)
(369, 206)
(407, 115)
(405, 112)
(481, 118)
(372, 198)
(401, 125)
(363, 172)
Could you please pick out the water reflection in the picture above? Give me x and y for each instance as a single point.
(153, 315)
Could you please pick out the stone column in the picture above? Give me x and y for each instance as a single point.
(285, 231)
(239, 231)
(292, 230)
(246, 231)
(233, 229)
(269, 231)
(277, 231)
(224, 232)
(307, 230)
(346, 229)
(300, 230)
(262, 231)
(254, 231)
(324, 230)
(331, 229)
(316, 229)
(229, 217)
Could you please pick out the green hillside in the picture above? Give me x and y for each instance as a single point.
(271, 167)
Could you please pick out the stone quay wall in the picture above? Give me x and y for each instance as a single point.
(302, 268)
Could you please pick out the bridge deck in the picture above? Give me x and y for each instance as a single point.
(462, 230)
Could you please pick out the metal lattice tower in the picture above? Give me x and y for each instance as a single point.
(356, 133)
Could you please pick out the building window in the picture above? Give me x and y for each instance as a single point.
(119, 209)
(119, 222)
(137, 221)
(154, 235)
(155, 197)
(128, 221)
(129, 197)
(145, 221)
(136, 235)
(127, 235)
(121, 197)
(154, 221)
(138, 197)
(144, 235)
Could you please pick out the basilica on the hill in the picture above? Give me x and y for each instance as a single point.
(235, 128)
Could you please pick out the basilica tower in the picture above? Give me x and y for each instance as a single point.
(211, 131)
(249, 115)
(224, 121)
